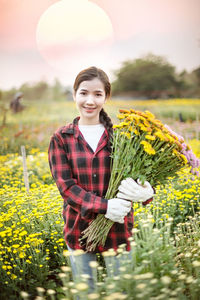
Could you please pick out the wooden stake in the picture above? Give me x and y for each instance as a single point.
(26, 181)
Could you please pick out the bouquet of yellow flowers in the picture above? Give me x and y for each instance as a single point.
(142, 148)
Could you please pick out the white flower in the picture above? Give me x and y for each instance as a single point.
(51, 292)
(66, 253)
(188, 254)
(135, 230)
(141, 286)
(93, 296)
(62, 275)
(65, 269)
(127, 276)
(40, 289)
(166, 279)
(93, 264)
(196, 263)
(81, 286)
(24, 294)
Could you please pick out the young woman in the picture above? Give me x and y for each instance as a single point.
(79, 158)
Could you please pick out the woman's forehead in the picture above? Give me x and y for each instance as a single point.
(94, 84)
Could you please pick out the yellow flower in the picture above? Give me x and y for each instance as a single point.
(170, 138)
(149, 115)
(136, 132)
(124, 111)
(150, 137)
(148, 148)
(150, 151)
(13, 276)
(120, 116)
(127, 134)
(184, 158)
(124, 124)
(145, 144)
(21, 255)
(161, 136)
(143, 128)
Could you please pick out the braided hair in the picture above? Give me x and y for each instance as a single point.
(89, 74)
(106, 121)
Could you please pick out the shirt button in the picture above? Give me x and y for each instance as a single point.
(94, 175)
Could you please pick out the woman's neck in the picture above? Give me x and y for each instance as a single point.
(88, 122)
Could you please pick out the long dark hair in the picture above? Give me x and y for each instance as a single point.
(89, 74)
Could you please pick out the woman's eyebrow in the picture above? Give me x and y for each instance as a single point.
(96, 91)
(99, 91)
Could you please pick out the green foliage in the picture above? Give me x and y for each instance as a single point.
(151, 77)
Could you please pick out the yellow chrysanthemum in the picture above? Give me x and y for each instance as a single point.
(131, 129)
(134, 117)
(150, 137)
(127, 134)
(120, 116)
(175, 152)
(150, 151)
(124, 124)
(148, 148)
(170, 138)
(184, 158)
(143, 128)
(161, 136)
(149, 115)
(116, 126)
(136, 132)
(124, 111)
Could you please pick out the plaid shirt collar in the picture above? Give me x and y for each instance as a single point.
(72, 128)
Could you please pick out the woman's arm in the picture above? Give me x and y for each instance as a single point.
(82, 201)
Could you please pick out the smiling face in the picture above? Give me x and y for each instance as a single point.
(90, 97)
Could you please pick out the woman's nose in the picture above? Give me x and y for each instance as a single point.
(90, 99)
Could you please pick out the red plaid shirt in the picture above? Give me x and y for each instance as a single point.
(82, 178)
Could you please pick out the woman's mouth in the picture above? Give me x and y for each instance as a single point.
(89, 109)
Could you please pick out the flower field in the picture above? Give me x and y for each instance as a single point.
(165, 247)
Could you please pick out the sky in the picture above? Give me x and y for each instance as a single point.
(48, 39)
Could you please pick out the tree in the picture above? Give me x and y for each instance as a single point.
(35, 91)
(151, 76)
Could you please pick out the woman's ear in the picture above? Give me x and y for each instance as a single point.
(106, 99)
(74, 96)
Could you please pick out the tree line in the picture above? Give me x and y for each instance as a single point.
(148, 77)
(153, 77)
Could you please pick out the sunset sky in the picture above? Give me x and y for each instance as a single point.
(41, 41)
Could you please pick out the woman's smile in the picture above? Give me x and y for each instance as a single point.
(89, 109)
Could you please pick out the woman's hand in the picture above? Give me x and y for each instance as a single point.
(131, 190)
(117, 209)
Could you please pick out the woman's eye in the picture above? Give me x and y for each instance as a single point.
(98, 95)
(83, 93)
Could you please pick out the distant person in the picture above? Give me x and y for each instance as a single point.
(181, 117)
(15, 104)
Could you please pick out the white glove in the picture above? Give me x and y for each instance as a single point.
(129, 189)
(117, 209)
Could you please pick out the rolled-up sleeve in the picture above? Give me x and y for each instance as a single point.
(82, 201)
